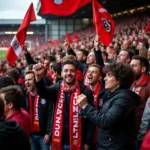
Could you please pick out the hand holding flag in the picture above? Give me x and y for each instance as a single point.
(103, 22)
(15, 48)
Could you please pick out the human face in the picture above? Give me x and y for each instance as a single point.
(93, 75)
(80, 56)
(110, 82)
(91, 58)
(122, 57)
(135, 64)
(46, 63)
(125, 44)
(134, 43)
(29, 82)
(140, 46)
(69, 74)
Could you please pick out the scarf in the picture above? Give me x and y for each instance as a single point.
(33, 112)
(74, 120)
(96, 102)
(137, 87)
(95, 95)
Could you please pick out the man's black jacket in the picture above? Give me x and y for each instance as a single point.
(45, 112)
(51, 94)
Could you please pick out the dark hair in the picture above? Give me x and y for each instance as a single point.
(122, 72)
(143, 61)
(13, 94)
(30, 67)
(13, 73)
(1, 107)
(56, 67)
(29, 72)
(69, 62)
(85, 52)
(50, 58)
(130, 54)
(105, 54)
(6, 81)
(99, 67)
(61, 54)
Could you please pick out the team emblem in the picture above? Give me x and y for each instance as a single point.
(106, 25)
(15, 44)
(58, 2)
(75, 142)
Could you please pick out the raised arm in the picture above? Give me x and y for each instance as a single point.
(97, 52)
(49, 93)
(68, 49)
(28, 57)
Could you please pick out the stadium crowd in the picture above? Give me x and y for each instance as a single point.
(82, 95)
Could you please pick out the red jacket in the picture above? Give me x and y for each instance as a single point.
(23, 119)
(143, 90)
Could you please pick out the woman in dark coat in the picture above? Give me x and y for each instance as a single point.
(116, 118)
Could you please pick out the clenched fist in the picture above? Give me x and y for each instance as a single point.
(40, 71)
(82, 100)
(67, 46)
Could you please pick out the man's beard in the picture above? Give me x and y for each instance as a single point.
(138, 76)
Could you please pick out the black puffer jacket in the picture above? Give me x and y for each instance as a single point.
(115, 120)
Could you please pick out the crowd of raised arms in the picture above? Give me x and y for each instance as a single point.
(82, 96)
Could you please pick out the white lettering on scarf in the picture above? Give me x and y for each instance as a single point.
(75, 117)
(58, 113)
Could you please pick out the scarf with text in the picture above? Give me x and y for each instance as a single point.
(33, 112)
(74, 120)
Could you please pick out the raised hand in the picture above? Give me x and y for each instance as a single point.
(67, 46)
(39, 70)
(96, 42)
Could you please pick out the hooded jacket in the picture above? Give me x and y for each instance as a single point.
(12, 136)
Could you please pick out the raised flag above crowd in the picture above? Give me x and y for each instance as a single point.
(68, 37)
(14, 49)
(104, 24)
(61, 7)
(147, 27)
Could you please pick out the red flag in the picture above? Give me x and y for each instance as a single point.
(69, 40)
(51, 40)
(14, 49)
(76, 37)
(147, 28)
(61, 7)
(103, 22)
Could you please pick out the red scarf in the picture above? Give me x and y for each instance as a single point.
(137, 87)
(95, 95)
(75, 121)
(34, 113)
